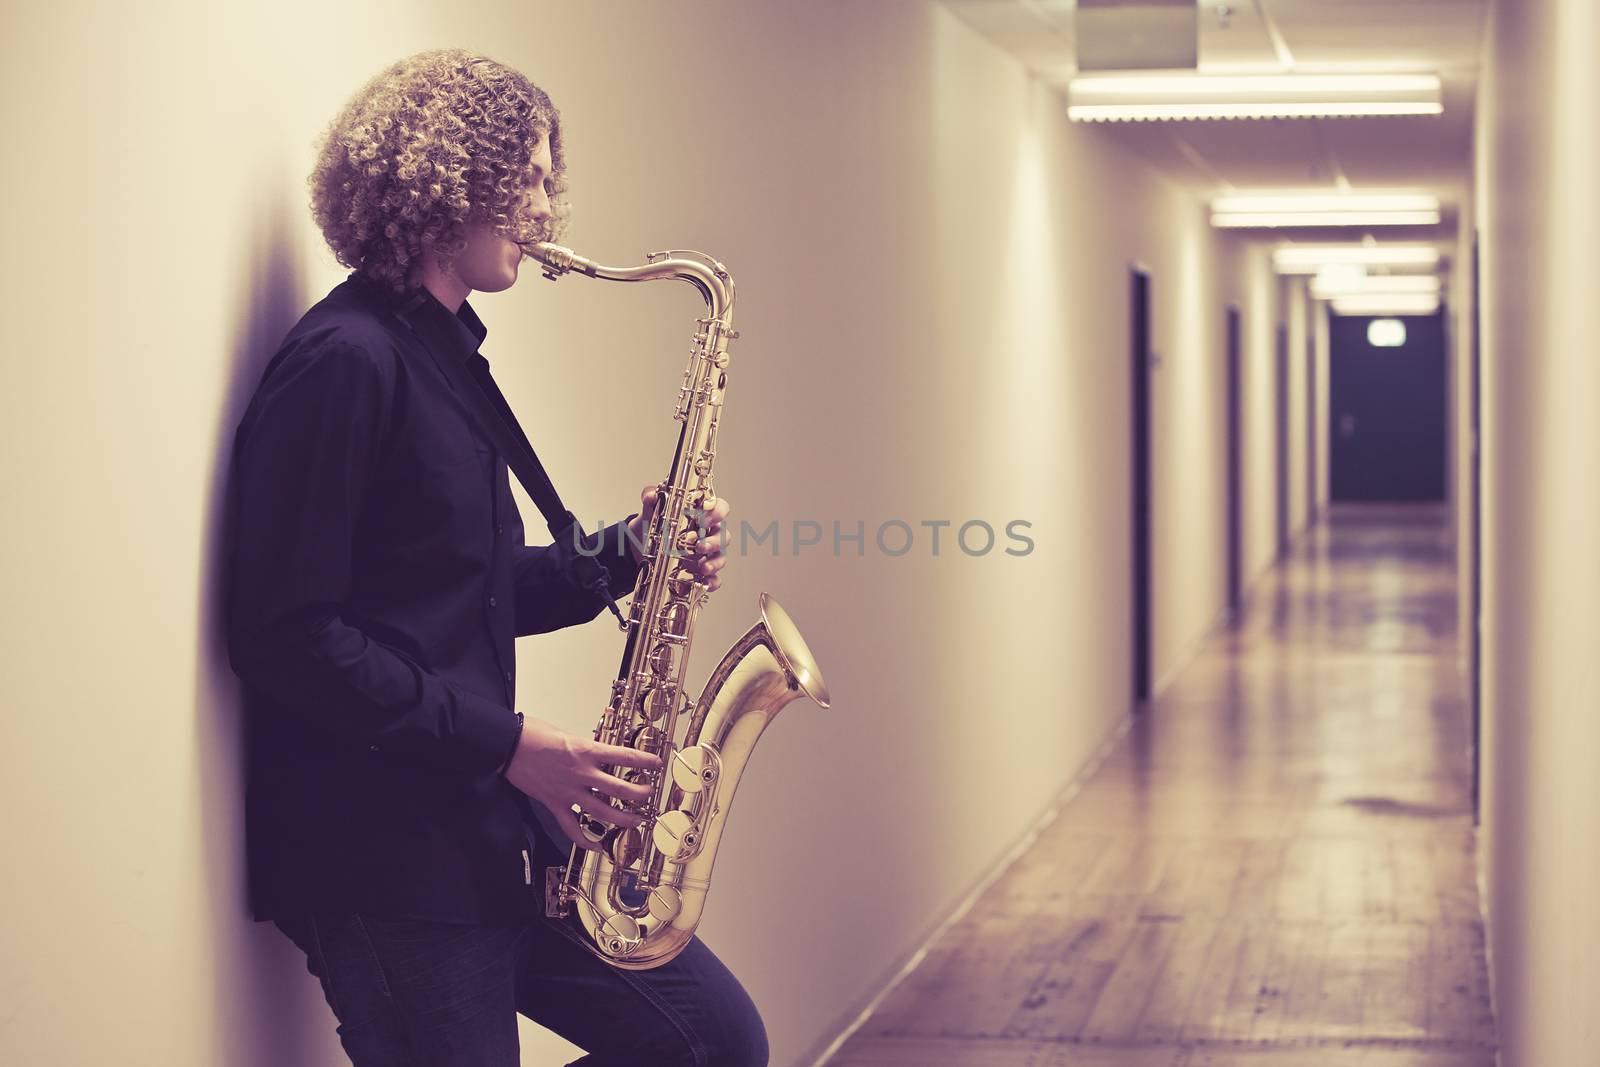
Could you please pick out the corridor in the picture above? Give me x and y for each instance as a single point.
(1274, 866)
(1170, 423)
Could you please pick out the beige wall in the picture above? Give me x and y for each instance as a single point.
(1195, 275)
(1262, 310)
(933, 275)
(1462, 318)
(1538, 153)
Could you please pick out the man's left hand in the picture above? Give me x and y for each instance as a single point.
(706, 536)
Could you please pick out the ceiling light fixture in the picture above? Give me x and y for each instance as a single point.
(1332, 289)
(1387, 304)
(1309, 259)
(1339, 209)
(1158, 97)
(1339, 277)
(1265, 220)
(1386, 333)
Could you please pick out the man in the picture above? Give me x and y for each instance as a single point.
(377, 579)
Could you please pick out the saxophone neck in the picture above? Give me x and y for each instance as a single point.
(706, 274)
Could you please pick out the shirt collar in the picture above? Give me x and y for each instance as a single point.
(457, 335)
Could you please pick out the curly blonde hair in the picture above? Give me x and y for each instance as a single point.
(438, 141)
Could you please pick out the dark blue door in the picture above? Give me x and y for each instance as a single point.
(1139, 357)
(1387, 412)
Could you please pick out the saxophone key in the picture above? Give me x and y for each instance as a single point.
(655, 701)
(592, 828)
(664, 903)
(618, 934)
(651, 740)
(673, 624)
(676, 836)
(627, 846)
(695, 768)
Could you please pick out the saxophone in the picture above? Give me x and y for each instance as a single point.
(639, 898)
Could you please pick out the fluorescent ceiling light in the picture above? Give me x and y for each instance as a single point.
(1387, 304)
(1309, 259)
(1284, 219)
(1334, 288)
(1154, 97)
(1339, 277)
(1247, 202)
(1334, 209)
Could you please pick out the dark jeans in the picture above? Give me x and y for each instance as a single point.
(430, 994)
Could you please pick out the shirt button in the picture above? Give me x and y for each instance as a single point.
(498, 528)
(491, 602)
(508, 676)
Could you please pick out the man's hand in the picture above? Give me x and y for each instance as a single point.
(560, 770)
(708, 557)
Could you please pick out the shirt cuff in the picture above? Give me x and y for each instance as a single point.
(485, 732)
(616, 555)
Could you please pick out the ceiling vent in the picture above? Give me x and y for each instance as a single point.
(1138, 35)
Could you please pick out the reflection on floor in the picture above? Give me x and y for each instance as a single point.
(1274, 868)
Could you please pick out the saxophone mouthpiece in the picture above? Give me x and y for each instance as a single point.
(555, 259)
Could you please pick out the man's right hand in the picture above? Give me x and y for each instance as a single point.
(559, 769)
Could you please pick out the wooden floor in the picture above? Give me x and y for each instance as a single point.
(1273, 869)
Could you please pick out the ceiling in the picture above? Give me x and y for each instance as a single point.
(1422, 153)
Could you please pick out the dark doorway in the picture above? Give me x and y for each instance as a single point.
(1139, 359)
(1282, 362)
(1235, 404)
(1311, 414)
(1388, 404)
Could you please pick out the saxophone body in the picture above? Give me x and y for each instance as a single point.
(640, 897)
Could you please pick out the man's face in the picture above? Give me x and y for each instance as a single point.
(489, 261)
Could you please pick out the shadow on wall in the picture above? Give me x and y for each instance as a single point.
(267, 1010)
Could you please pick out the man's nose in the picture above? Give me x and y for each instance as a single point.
(538, 204)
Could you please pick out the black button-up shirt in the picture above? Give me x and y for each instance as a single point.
(377, 578)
